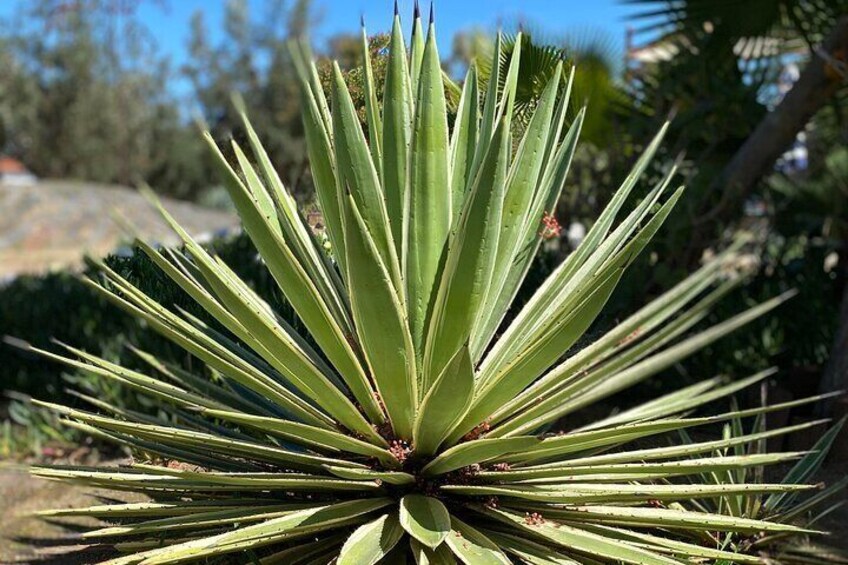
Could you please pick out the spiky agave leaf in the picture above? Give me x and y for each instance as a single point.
(401, 428)
(788, 547)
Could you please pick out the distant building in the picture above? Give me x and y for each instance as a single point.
(13, 173)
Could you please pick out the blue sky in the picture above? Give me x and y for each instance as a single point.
(555, 16)
(169, 20)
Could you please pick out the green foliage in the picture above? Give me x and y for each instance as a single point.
(329, 438)
(85, 93)
(748, 20)
(540, 64)
(348, 52)
(26, 432)
(58, 307)
(716, 100)
(804, 511)
(83, 96)
(252, 59)
(596, 83)
(719, 86)
(797, 229)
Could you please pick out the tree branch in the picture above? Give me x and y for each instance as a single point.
(819, 81)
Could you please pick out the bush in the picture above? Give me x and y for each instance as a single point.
(58, 306)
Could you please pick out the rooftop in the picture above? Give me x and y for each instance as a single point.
(9, 165)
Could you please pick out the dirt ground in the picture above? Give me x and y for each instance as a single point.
(24, 539)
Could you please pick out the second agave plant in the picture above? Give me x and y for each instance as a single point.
(405, 424)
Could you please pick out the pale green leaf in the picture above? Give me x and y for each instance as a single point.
(445, 404)
(369, 543)
(425, 518)
(477, 451)
(468, 266)
(581, 541)
(372, 108)
(381, 324)
(397, 132)
(356, 174)
(318, 438)
(390, 477)
(429, 212)
(464, 140)
(472, 547)
(423, 555)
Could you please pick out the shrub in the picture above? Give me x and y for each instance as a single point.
(57, 306)
(406, 420)
(41, 309)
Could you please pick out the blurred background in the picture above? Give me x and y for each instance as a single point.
(100, 96)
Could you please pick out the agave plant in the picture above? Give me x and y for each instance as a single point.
(406, 421)
(781, 548)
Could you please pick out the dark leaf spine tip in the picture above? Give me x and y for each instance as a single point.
(432, 12)
(397, 11)
(362, 19)
(416, 11)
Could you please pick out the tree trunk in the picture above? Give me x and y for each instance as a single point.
(818, 82)
(835, 375)
(816, 85)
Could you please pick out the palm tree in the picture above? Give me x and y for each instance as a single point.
(765, 31)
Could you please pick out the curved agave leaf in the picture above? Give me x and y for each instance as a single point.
(423, 555)
(472, 547)
(425, 518)
(371, 542)
(381, 323)
(582, 541)
(397, 135)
